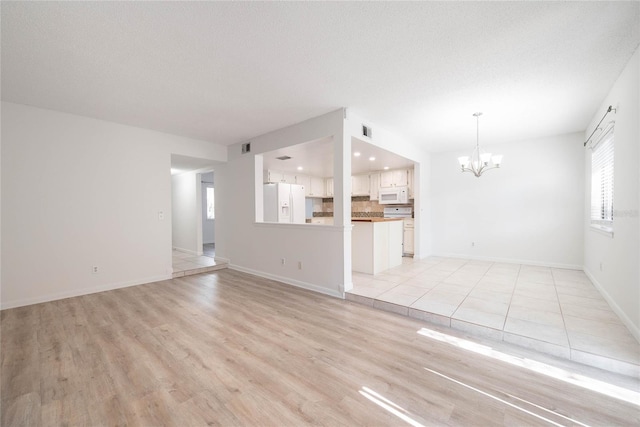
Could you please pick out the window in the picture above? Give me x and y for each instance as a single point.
(602, 181)
(210, 203)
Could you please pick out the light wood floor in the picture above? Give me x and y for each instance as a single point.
(226, 348)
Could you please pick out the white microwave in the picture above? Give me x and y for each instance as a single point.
(393, 195)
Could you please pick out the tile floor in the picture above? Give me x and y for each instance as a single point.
(551, 310)
(185, 264)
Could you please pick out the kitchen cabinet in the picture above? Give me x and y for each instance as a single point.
(272, 176)
(408, 236)
(360, 185)
(374, 186)
(289, 178)
(410, 183)
(376, 246)
(393, 178)
(313, 186)
(316, 187)
(328, 187)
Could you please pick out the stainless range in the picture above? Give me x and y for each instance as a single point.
(398, 212)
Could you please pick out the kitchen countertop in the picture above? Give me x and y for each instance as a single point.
(375, 219)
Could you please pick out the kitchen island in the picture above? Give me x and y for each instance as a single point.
(376, 244)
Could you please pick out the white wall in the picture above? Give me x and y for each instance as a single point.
(619, 278)
(528, 211)
(208, 225)
(79, 192)
(185, 212)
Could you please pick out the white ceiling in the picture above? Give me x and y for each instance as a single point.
(316, 158)
(228, 71)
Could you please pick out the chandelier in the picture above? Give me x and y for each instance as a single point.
(479, 161)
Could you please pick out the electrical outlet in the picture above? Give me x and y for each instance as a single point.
(160, 215)
(94, 269)
(282, 261)
(473, 244)
(299, 265)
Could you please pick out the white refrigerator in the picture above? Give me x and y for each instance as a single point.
(284, 203)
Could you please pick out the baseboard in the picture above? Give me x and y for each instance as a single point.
(221, 259)
(288, 281)
(635, 331)
(422, 256)
(188, 251)
(512, 261)
(78, 292)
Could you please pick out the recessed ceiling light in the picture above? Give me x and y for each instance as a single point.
(386, 168)
(357, 154)
(372, 158)
(299, 168)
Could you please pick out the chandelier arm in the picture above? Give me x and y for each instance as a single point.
(475, 163)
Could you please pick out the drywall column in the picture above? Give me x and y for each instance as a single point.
(342, 197)
(258, 188)
(422, 209)
(208, 225)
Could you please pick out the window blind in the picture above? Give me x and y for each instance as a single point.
(602, 180)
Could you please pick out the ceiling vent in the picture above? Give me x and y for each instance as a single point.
(283, 158)
(246, 148)
(366, 131)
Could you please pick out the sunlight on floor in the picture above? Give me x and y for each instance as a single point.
(389, 406)
(541, 368)
(519, 408)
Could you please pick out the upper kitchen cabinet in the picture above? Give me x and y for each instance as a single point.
(360, 185)
(313, 186)
(410, 183)
(394, 178)
(271, 176)
(317, 187)
(374, 186)
(328, 187)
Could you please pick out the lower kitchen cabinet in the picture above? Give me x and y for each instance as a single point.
(408, 236)
(408, 241)
(376, 246)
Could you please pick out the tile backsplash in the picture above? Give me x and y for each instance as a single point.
(361, 207)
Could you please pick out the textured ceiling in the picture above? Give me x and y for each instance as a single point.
(316, 158)
(225, 72)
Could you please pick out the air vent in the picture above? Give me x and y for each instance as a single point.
(283, 158)
(366, 131)
(246, 148)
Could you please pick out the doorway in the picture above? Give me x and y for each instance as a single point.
(192, 218)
